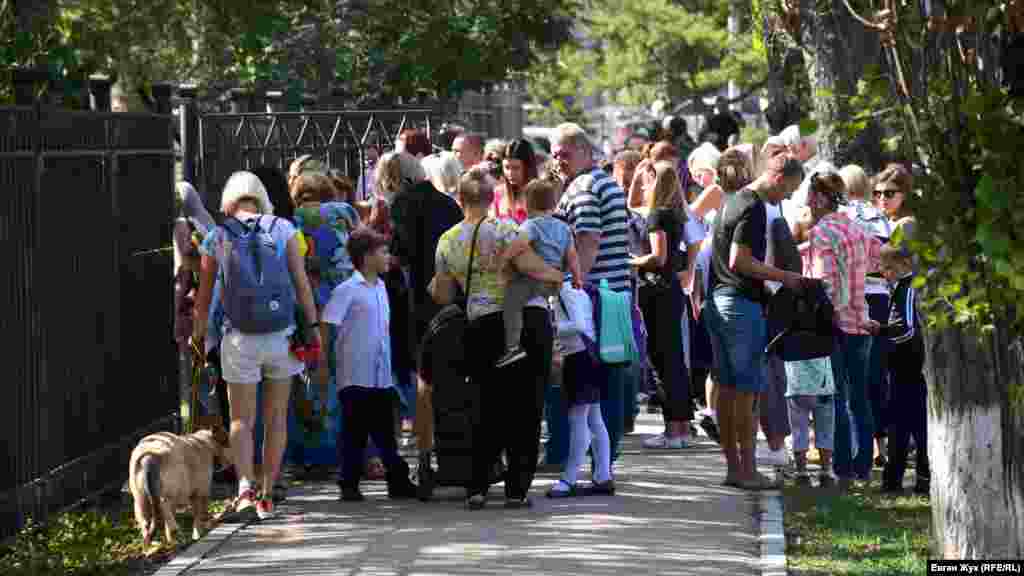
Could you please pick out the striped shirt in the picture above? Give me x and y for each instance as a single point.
(595, 203)
(841, 254)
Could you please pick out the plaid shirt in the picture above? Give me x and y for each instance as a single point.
(841, 254)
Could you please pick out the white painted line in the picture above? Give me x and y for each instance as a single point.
(195, 553)
(772, 534)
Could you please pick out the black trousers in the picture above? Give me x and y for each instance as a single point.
(511, 400)
(663, 314)
(909, 400)
(369, 412)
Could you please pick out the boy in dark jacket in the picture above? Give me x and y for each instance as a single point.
(906, 364)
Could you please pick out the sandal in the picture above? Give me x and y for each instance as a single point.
(569, 491)
(760, 482)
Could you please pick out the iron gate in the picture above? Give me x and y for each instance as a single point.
(249, 141)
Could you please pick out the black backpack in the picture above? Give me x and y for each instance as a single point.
(804, 323)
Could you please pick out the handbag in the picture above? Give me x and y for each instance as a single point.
(447, 327)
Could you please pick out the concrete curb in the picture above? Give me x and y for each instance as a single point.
(772, 535)
(200, 549)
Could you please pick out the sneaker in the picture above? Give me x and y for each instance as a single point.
(265, 509)
(279, 493)
(517, 503)
(476, 502)
(766, 457)
(663, 442)
(562, 489)
(513, 355)
(606, 488)
(245, 500)
(710, 428)
(351, 495)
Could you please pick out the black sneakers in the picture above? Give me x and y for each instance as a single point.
(512, 355)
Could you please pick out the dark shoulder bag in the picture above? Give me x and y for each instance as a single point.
(443, 345)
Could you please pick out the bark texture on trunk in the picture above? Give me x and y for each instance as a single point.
(975, 444)
(837, 50)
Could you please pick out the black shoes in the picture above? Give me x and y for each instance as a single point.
(710, 428)
(517, 503)
(351, 495)
(511, 356)
(606, 488)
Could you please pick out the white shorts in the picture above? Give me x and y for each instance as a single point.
(252, 358)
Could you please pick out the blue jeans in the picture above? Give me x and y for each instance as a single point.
(854, 423)
(738, 332)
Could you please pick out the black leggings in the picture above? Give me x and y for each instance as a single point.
(511, 399)
(663, 314)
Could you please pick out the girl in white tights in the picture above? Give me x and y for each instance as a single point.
(580, 381)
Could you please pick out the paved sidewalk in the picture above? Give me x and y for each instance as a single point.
(670, 517)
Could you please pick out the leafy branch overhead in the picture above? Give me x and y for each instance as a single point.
(365, 48)
(640, 50)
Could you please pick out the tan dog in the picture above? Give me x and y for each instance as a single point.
(168, 472)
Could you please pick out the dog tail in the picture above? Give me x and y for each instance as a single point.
(149, 465)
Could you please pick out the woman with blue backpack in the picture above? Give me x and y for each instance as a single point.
(259, 262)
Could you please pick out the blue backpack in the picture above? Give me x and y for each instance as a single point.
(258, 294)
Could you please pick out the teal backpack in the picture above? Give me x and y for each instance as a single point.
(616, 342)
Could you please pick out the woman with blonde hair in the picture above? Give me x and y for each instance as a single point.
(255, 354)
(661, 299)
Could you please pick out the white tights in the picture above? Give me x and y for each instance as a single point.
(585, 421)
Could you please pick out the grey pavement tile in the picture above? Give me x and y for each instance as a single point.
(669, 517)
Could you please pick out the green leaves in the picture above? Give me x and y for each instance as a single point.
(649, 49)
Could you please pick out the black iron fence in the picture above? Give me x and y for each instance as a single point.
(87, 311)
(247, 141)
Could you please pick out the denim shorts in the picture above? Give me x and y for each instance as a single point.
(738, 331)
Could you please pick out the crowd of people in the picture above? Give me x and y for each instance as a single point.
(711, 246)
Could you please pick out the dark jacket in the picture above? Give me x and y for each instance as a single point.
(420, 214)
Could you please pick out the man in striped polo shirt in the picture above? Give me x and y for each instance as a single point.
(595, 207)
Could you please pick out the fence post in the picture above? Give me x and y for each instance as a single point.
(275, 101)
(25, 85)
(239, 100)
(99, 90)
(162, 97)
(188, 130)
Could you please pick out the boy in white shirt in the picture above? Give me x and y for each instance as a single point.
(366, 391)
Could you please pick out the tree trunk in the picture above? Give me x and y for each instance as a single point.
(837, 50)
(975, 444)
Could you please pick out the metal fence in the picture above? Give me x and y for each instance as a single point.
(247, 141)
(87, 316)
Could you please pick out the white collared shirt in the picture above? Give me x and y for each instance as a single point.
(361, 312)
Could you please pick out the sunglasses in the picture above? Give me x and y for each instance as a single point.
(887, 192)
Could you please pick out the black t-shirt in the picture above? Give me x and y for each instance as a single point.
(742, 220)
(667, 221)
(723, 126)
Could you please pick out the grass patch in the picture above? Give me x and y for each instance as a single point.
(93, 542)
(860, 533)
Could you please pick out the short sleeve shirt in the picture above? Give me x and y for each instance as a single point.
(594, 203)
(550, 238)
(361, 312)
(742, 220)
(665, 220)
(453, 251)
